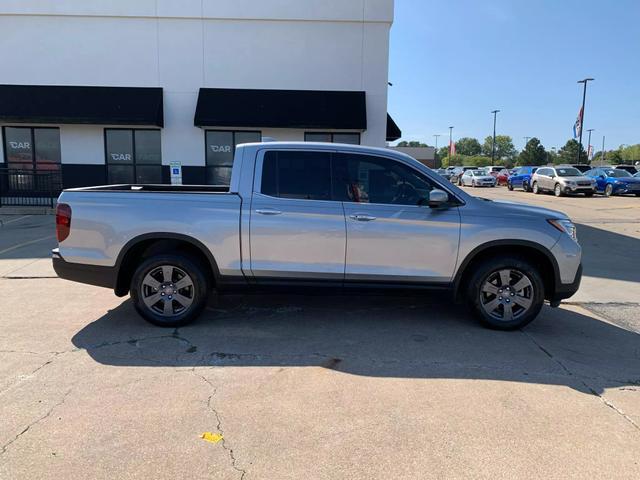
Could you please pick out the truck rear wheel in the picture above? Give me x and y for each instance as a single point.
(169, 290)
(505, 293)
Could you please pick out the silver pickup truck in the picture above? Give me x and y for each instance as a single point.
(321, 216)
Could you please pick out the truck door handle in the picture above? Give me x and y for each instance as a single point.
(361, 217)
(268, 211)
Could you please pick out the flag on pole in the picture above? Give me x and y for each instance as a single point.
(577, 127)
(590, 152)
(452, 148)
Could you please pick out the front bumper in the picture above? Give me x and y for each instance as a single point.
(566, 290)
(90, 274)
(579, 189)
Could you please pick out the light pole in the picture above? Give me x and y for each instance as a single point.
(589, 143)
(435, 154)
(526, 140)
(602, 153)
(450, 142)
(584, 97)
(493, 143)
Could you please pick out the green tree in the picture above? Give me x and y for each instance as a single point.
(504, 147)
(443, 152)
(569, 153)
(468, 146)
(630, 154)
(614, 157)
(533, 154)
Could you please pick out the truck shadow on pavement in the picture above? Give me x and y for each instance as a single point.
(608, 254)
(379, 336)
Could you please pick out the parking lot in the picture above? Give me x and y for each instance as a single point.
(316, 387)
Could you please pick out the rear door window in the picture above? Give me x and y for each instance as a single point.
(297, 175)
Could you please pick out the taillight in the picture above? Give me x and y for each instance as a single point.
(63, 221)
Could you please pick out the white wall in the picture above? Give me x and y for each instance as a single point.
(184, 45)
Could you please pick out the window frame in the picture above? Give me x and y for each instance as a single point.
(331, 134)
(134, 163)
(455, 200)
(32, 137)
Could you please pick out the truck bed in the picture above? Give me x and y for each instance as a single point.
(154, 188)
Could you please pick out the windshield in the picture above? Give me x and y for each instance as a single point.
(568, 172)
(617, 173)
(479, 173)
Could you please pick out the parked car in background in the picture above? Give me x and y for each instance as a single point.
(632, 169)
(562, 181)
(614, 181)
(493, 170)
(521, 178)
(503, 176)
(301, 214)
(477, 178)
(583, 167)
(444, 173)
(456, 176)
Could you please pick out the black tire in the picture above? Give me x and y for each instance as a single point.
(525, 186)
(197, 292)
(510, 187)
(557, 190)
(608, 190)
(488, 269)
(535, 188)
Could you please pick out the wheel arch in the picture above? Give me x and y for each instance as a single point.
(539, 254)
(148, 244)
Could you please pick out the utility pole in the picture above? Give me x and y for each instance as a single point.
(450, 141)
(493, 143)
(602, 154)
(526, 140)
(589, 143)
(584, 97)
(435, 154)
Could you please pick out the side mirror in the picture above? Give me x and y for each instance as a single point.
(437, 198)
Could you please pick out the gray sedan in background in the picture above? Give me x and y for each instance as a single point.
(478, 178)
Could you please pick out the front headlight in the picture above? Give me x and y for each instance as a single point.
(571, 183)
(565, 226)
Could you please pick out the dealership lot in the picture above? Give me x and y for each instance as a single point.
(339, 387)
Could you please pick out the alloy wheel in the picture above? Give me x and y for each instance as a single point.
(167, 290)
(506, 294)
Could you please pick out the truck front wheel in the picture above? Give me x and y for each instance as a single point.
(505, 293)
(169, 290)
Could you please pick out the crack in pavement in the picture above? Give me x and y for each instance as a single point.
(219, 428)
(593, 391)
(28, 427)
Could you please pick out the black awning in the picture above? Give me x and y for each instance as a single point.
(393, 132)
(230, 107)
(81, 104)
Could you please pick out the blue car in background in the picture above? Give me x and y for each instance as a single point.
(520, 178)
(614, 181)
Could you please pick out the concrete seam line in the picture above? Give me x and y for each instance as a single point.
(24, 244)
(7, 222)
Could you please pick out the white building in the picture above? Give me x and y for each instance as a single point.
(115, 90)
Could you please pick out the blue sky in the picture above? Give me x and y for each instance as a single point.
(453, 61)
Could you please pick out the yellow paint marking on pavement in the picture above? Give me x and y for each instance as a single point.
(24, 244)
(211, 437)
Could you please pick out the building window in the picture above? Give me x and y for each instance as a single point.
(133, 156)
(221, 147)
(32, 148)
(328, 137)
